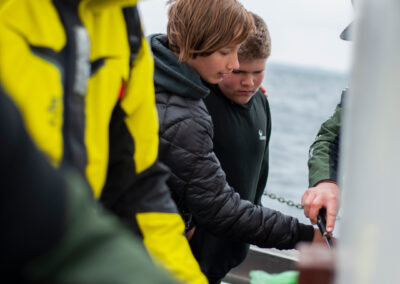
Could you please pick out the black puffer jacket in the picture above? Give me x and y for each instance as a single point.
(198, 182)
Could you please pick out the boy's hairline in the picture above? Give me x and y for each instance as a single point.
(186, 50)
(246, 60)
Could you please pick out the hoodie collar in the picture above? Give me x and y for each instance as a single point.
(172, 75)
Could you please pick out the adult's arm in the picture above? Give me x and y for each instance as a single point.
(323, 190)
(324, 152)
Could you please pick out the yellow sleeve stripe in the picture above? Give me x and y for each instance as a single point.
(139, 105)
(164, 239)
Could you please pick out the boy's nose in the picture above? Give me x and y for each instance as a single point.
(248, 80)
(233, 63)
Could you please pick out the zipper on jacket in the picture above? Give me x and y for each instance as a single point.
(75, 59)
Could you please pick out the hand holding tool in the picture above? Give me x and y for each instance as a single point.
(321, 222)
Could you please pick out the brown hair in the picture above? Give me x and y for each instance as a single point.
(258, 45)
(201, 27)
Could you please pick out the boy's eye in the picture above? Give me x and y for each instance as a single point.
(236, 71)
(224, 52)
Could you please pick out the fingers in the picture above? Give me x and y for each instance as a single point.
(304, 202)
(331, 210)
(314, 209)
(304, 198)
(318, 238)
(311, 206)
(325, 194)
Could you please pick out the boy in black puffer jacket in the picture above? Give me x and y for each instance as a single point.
(242, 127)
(184, 58)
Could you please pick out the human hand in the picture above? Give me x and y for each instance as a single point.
(189, 234)
(320, 240)
(324, 194)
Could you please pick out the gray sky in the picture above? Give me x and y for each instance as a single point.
(304, 32)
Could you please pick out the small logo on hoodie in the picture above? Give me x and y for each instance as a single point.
(261, 136)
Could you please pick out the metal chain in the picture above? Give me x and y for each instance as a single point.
(289, 202)
(283, 200)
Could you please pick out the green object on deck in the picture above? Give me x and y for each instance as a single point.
(262, 277)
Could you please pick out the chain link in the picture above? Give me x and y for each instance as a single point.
(289, 202)
(283, 200)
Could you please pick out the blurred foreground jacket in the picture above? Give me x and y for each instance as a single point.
(86, 93)
(51, 230)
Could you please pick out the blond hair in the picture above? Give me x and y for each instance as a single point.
(201, 27)
(258, 45)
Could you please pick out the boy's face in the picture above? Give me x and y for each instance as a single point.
(216, 66)
(242, 83)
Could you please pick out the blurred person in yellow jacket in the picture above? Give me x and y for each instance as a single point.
(52, 231)
(82, 75)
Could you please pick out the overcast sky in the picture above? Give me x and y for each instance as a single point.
(304, 32)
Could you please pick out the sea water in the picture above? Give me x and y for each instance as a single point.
(300, 100)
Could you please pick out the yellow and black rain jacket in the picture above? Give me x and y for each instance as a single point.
(88, 102)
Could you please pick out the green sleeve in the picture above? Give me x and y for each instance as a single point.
(324, 152)
(95, 248)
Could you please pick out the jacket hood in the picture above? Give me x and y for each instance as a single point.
(174, 76)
